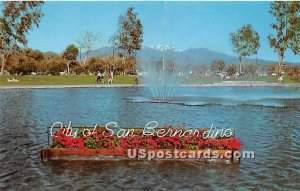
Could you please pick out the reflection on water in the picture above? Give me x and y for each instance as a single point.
(272, 132)
(268, 97)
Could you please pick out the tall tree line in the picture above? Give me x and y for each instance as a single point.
(18, 18)
(129, 37)
(286, 35)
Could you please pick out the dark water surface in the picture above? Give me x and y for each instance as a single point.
(267, 120)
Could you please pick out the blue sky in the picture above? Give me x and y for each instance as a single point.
(180, 24)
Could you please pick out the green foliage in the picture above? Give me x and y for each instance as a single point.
(80, 69)
(55, 65)
(102, 64)
(200, 71)
(71, 53)
(28, 60)
(290, 79)
(231, 70)
(293, 70)
(18, 17)
(217, 65)
(129, 37)
(295, 27)
(25, 61)
(286, 29)
(95, 64)
(114, 63)
(250, 69)
(245, 43)
(271, 68)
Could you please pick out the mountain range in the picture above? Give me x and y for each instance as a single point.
(190, 56)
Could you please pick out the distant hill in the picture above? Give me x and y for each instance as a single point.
(190, 56)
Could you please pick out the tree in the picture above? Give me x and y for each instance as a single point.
(295, 27)
(231, 70)
(56, 65)
(271, 68)
(113, 63)
(70, 55)
(25, 61)
(200, 70)
(251, 69)
(293, 70)
(170, 66)
(129, 37)
(245, 43)
(51, 64)
(18, 18)
(95, 64)
(87, 42)
(286, 28)
(217, 65)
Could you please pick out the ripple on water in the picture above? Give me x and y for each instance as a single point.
(272, 132)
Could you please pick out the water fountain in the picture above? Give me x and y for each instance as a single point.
(161, 82)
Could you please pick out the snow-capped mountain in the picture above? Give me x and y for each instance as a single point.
(164, 48)
(191, 56)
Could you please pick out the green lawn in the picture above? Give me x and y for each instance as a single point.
(286, 79)
(62, 80)
(256, 78)
(289, 79)
(86, 79)
(216, 79)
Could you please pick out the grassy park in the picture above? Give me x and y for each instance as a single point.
(62, 80)
(119, 79)
(268, 79)
(120, 57)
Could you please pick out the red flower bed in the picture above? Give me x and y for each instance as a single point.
(102, 139)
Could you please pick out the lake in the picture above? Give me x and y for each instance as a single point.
(266, 119)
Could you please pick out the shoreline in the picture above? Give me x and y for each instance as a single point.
(220, 84)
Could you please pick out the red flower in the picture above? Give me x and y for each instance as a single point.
(103, 139)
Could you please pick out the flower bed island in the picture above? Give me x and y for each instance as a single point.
(171, 142)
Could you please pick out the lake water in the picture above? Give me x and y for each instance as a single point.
(267, 120)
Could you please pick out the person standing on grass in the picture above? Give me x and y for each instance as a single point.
(110, 78)
(102, 78)
(98, 77)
